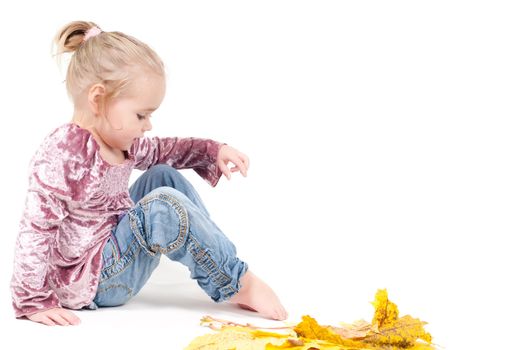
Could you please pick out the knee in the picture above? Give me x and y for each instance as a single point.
(170, 176)
(165, 219)
(162, 170)
(166, 196)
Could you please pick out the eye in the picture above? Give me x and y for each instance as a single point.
(140, 116)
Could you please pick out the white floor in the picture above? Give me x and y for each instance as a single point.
(162, 314)
(167, 312)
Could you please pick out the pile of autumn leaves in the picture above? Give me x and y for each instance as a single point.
(386, 331)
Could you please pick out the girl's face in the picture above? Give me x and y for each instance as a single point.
(128, 117)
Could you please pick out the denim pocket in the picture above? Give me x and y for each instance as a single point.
(126, 268)
(110, 252)
(120, 250)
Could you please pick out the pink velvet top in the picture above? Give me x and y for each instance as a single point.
(73, 201)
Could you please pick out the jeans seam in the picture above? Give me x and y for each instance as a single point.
(117, 285)
(115, 248)
(136, 230)
(183, 223)
(204, 260)
(119, 266)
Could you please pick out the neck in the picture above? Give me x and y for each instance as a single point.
(83, 119)
(87, 121)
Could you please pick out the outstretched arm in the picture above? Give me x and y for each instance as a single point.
(180, 153)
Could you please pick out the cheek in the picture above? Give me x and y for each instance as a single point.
(132, 129)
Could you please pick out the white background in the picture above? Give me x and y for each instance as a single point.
(387, 146)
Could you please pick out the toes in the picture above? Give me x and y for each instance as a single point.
(277, 315)
(282, 313)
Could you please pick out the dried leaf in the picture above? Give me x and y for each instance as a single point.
(403, 332)
(232, 338)
(218, 324)
(387, 331)
(310, 329)
(311, 345)
(386, 312)
(357, 330)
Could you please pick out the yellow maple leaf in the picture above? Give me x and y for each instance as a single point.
(389, 329)
(356, 330)
(240, 338)
(403, 332)
(310, 329)
(246, 338)
(386, 312)
(298, 344)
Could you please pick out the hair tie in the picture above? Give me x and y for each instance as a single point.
(94, 31)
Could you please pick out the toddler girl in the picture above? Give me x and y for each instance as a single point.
(85, 239)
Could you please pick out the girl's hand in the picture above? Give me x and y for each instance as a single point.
(55, 316)
(228, 154)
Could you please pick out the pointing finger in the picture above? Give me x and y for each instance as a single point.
(225, 170)
(241, 166)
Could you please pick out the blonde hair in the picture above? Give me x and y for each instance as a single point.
(108, 58)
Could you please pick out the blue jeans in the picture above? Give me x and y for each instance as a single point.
(168, 218)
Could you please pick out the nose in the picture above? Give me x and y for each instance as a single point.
(147, 126)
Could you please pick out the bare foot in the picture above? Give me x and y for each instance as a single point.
(246, 307)
(257, 296)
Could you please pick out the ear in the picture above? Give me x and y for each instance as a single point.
(96, 98)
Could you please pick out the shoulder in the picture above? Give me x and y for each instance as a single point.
(65, 154)
(68, 139)
(66, 143)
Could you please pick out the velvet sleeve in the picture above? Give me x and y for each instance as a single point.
(180, 153)
(43, 213)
